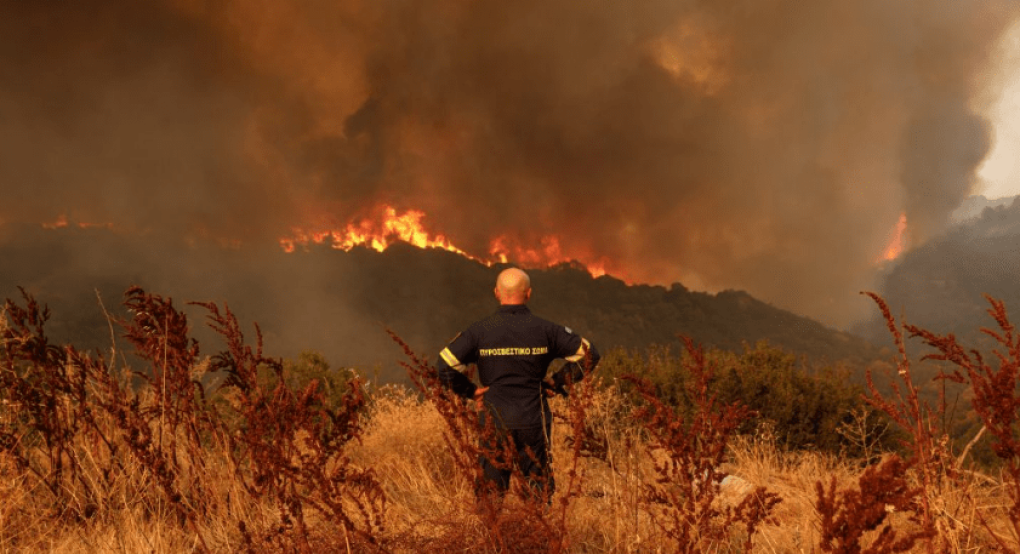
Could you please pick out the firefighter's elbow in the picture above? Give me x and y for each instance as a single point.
(592, 358)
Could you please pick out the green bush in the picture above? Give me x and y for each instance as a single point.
(311, 366)
(804, 408)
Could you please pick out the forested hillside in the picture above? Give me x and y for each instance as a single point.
(941, 285)
(341, 303)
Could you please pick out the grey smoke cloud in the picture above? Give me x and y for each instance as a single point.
(765, 146)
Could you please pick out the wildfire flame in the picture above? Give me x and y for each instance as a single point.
(895, 246)
(62, 222)
(392, 227)
(378, 235)
(504, 249)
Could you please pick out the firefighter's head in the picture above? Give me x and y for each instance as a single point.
(513, 286)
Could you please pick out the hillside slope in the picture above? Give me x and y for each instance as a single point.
(941, 285)
(340, 303)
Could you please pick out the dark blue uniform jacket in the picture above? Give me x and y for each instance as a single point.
(513, 349)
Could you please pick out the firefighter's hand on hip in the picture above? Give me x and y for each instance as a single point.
(479, 394)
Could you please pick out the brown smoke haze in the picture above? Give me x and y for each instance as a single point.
(765, 146)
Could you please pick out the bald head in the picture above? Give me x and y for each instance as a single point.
(513, 286)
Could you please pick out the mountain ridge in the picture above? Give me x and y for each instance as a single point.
(341, 303)
(941, 285)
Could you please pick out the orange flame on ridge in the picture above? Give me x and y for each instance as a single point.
(392, 227)
(504, 249)
(406, 227)
(62, 222)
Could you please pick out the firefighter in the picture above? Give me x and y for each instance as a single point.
(512, 349)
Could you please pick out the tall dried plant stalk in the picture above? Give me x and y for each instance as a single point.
(688, 454)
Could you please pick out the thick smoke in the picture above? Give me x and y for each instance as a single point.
(765, 146)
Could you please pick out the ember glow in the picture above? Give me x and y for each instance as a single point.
(61, 222)
(390, 227)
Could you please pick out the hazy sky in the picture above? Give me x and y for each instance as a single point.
(769, 146)
(1000, 173)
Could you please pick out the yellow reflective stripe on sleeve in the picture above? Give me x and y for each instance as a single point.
(450, 359)
(585, 345)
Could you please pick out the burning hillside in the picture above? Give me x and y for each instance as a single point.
(340, 303)
(408, 227)
(942, 284)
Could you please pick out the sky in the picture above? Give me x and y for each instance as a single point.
(1000, 172)
(767, 146)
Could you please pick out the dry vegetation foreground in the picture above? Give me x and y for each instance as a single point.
(223, 454)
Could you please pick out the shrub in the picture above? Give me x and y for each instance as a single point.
(77, 427)
(996, 401)
(688, 448)
(847, 515)
(804, 409)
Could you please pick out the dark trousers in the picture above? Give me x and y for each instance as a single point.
(529, 453)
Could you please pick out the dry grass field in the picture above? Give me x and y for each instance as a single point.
(174, 463)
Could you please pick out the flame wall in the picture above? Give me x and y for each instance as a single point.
(767, 146)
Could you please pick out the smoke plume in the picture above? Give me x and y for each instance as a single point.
(764, 146)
